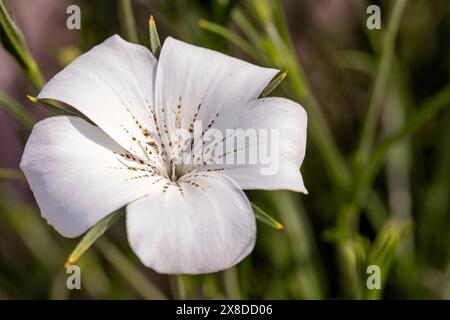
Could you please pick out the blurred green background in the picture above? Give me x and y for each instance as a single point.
(377, 166)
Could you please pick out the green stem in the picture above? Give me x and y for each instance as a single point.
(16, 110)
(14, 42)
(127, 20)
(133, 275)
(231, 283)
(230, 36)
(13, 174)
(427, 110)
(35, 74)
(178, 287)
(318, 125)
(380, 85)
(349, 215)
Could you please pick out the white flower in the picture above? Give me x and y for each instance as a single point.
(189, 219)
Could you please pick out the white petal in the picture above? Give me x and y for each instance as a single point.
(289, 119)
(106, 81)
(203, 83)
(75, 176)
(209, 228)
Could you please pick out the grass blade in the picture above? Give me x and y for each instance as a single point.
(91, 236)
(13, 41)
(13, 174)
(127, 20)
(230, 36)
(132, 274)
(380, 84)
(16, 110)
(383, 252)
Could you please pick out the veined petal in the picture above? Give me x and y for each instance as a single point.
(280, 127)
(194, 83)
(76, 177)
(205, 224)
(112, 84)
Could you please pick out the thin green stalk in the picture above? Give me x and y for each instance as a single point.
(310, 283)
(287, 57)
(348, 216)
(231, 284)
(13, 174)
(230, 36)
(247, 28)
(383, 251)
(178, 287)
(127, 20)
(380, 84)
(426, 111)
(14, 42)
(319, 127)
(16, 110)
(132, 274)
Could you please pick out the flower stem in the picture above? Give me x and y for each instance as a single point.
(380, 84)
(13, 174)
(127, 20)
(16, 110)
(14, 42)
(178, 287)
(231, 283)
(129, 271)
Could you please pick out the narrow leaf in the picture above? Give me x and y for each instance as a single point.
(380, 84)
(56, 108)
(13, 174)
(155, 44)
(91, 236)
(13, 41)
(266, 218)
(127, 20)
(134, 276)
(383, 251)
(16, 110)
(230, 36)
(273, 84)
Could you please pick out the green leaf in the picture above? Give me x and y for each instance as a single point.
(56, 108)
(91, 236)
(16, 110)
(7, 173)
(380, 85)
(383, 251)
(230, 36)
(264, 217)
(155, 44)
(13, 41)
(127, 20)
(133, 275)
(273, 84)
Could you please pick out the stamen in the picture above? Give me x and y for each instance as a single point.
(174, 175)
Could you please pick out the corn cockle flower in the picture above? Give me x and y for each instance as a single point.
(180, 218)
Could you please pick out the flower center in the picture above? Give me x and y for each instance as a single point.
(176, 172)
